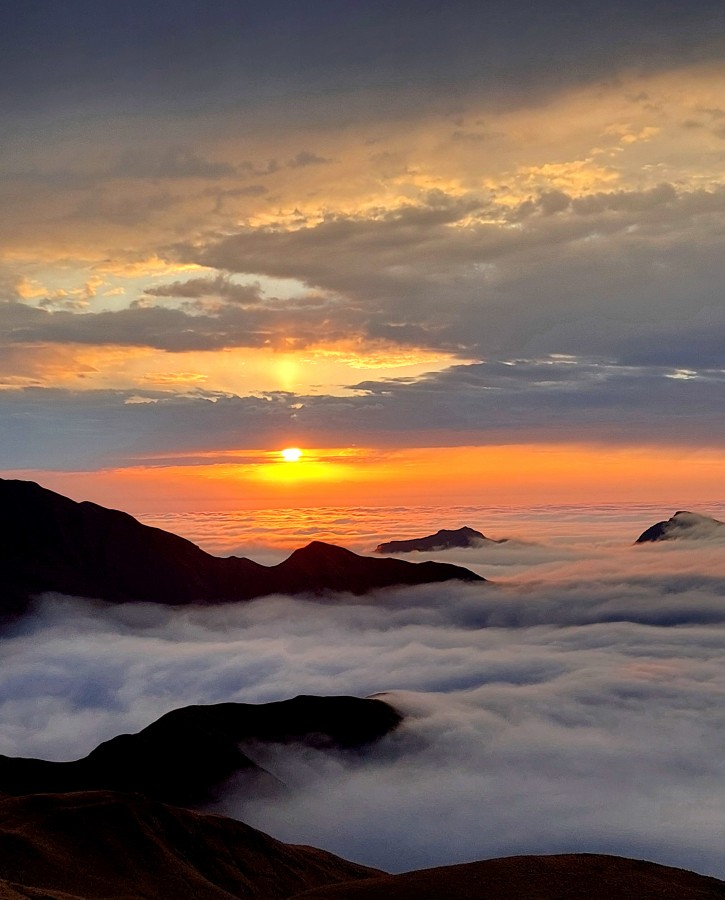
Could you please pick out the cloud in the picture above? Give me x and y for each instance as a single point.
(127, 210)
(239, 322)
(601, 272)
(305, 158)
(175, 162)
(198, 288)
(282, 59)
(573, 706)
(549, 400)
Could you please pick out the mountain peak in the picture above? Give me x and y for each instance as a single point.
(443, 539)
(86, 550)
(684, 525)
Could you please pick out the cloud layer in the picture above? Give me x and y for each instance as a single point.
(574, 705)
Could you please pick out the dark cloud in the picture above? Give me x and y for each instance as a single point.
(238, 322)
(195, 288)
(305, 158)
(547, 400)
(58, 429)
(190, 56)
(544, 398)
(599, 273)
(126, 210)
(176, 162)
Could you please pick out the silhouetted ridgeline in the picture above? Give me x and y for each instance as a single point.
(685, 525)
(444, 539)
(52, 543)
(183, 756)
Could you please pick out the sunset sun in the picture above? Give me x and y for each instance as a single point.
(291, 454)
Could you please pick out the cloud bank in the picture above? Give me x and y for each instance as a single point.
(574, 705)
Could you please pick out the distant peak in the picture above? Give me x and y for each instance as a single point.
(443, 539)
(320, 549)
(683, 525)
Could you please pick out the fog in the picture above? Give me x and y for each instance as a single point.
(574, 703)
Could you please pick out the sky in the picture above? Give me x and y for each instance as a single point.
(455, 252)
(571, 703)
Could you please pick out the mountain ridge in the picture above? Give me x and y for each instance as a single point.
(443, 539)
(55, 544)
(683, 525)
(566, 876)
(186, 755)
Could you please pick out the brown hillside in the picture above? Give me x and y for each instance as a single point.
(571, 876)
(114, 846)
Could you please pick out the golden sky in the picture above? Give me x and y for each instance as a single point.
(452, 254)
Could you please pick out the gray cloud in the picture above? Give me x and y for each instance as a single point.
(175, 162)
(305, 158)
(239, 322)
(602, 273)
(575, 706)
(633, 276)
(282, 60)
(197, 288)
(548, 400)
(98, 205)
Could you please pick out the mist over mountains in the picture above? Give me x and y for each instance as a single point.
(399, 325)
(573, 704)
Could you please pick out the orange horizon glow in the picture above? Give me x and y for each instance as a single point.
(515, 475)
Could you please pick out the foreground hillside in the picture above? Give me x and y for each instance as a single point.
(571, 876)
(103, 844)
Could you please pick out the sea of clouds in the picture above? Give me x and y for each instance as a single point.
(574, 703)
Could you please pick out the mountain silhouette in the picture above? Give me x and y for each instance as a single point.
(52, 543)
(187, 755)
(444, 539)
(683, 525)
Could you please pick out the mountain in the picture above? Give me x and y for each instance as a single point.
(568, 876)
(52, 543)
(683, 525)
(188, 753)
(103, 845)
(444, 539)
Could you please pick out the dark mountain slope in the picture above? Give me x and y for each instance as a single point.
(571, 876)
(444, 539)
(685, 525)
(52, 543)
(123, 846)
(183, 756)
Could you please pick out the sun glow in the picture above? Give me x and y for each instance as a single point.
(291, 454)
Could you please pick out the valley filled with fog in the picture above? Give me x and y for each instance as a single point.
(574, 702)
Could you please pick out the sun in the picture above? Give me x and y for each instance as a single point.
(291, 454)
